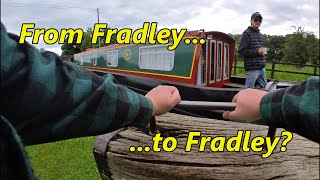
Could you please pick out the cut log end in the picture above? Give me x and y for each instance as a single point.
(299, 161)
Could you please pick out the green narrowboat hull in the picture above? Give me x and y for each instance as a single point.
(128, 60)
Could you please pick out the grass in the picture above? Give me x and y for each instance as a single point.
(70, 159)
(73, 159)
(281, 75)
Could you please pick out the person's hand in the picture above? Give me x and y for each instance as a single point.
(163, 98)
(261, 51)
(247, 105)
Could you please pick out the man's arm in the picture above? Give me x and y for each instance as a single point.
(244, 45)
(295, 108)
(47, 99)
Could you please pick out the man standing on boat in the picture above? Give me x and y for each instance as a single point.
(252, 49)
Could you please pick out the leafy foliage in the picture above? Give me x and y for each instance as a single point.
(275, 45)
(301, 47)
(237, 38)
(68, 49)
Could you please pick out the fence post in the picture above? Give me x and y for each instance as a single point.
(272, 69)
(235, 67)
(315, 70)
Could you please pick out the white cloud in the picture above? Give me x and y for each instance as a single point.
(229, 16)
(56, 50)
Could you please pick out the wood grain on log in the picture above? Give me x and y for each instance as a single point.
(300, 161)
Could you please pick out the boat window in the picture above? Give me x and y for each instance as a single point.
(112, 58)
(81, 60)
(226, 62)
(219, 65)
(203, 64)
(104, 55)
(78, 57)
(156, 57)
(94, 59)
(87, 58)
(212, 60)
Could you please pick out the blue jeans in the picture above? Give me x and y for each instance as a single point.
(257, 77)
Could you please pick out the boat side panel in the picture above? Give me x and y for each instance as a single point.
(184, 69)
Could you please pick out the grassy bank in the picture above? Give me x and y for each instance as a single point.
(281, 75)
(70, 159)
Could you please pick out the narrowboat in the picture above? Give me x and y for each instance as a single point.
(201, 72)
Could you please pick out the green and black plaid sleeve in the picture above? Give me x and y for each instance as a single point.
(47, 99)
(295, 108)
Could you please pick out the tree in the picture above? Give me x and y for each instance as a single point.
(274, 43)
(237, 38)
(301, 47)
(86, 40)
(312, 44)
(67, 49)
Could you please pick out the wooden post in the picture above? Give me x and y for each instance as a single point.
(235, 67)
(315, 70)
(299, 161)
(272, 69)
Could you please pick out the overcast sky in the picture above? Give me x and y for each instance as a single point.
(229, 16)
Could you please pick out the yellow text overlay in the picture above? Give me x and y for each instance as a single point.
(148, 33)
(241, 142)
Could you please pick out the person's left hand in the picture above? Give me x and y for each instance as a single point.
(163, 98)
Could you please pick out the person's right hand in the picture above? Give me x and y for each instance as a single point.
(163, 98)
(247, 105)
(261, 51)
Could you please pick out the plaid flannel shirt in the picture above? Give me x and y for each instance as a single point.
(295, 108)
(44, 99)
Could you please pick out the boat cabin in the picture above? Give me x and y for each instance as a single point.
(207, 64)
